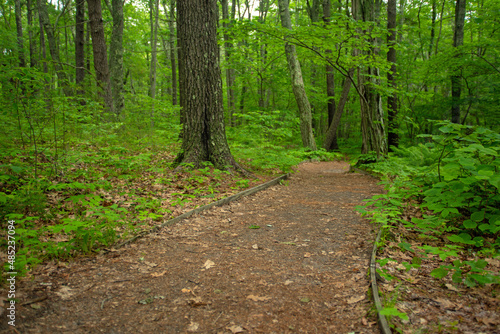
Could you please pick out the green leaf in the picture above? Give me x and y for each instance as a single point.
(439, 272)
(392, 311)
(470, 224)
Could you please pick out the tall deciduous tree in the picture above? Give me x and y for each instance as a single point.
(458, 40)
(372, 114)
(392, 102)
(297, 82)
(99, 49)
(80, 42)
(20, 41)
(228, 46)
(204, 136)
(116, 57)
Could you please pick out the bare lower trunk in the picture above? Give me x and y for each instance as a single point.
(297, 82)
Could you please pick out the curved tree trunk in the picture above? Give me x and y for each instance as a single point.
(297, 82)
(204, 136)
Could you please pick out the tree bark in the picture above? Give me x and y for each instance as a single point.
(392, 102)
(53, 46)
(297, 82)
(30, 34)
(80, 44)
(19, 28)
(116, 57)
(100, 52)
(204, 136)
(173, 65)
(154, 13)
(456, 80)
(330, 85)
(228, 46)
(331, 133)
(372, 114)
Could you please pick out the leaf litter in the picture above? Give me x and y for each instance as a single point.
(299, 279)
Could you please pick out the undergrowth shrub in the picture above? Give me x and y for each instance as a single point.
(455, 180)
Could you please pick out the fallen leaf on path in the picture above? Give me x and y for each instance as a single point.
(445, 303)
(255, 246)
(235, 329)
(193, 327)
(185, 291)
(288, 282)
(307, 255)
(208, 264)
(159, 274)
(65, 293)
(258, 299)
(451, 287)
(355, 299)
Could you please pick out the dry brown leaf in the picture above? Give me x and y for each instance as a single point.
(65, 293)
(159, 274)
(445, 303)
(258, 299)
(208, 264)
(307, 255)
(235, 329)
(288, 282)
(451, 287)
(193, 327)
(356, 299)
(185, 291)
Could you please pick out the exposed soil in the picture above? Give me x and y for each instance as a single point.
(290, 259)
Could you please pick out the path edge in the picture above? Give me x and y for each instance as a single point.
(220, 202)
(384, 325)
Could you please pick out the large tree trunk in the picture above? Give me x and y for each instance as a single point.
(372, 114)
(392, 102)
(80, 44)
(204, 136)
(116, 57)
(297, 82)
(100, 52)
(19, 27)
(458, 40)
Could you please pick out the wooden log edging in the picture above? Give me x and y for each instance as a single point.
(382, 321)
(220, 202)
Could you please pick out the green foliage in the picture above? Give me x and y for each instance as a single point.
(456, 186)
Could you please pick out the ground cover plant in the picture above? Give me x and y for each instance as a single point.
(440, 219)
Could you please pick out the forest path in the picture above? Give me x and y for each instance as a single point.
(303, 271)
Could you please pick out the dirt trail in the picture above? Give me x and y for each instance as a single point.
(303, 271)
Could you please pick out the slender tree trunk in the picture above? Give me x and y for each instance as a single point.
(230, 73)
(154, 13)
(173, 65)
(330, 82)
(297, 82)
(392, 102)
(458, 41)
(53, 46)
(372, 114)
(331, 133)
(116, 57)
(20, 40)
(204, 136)
(100, 52)
(80, 44)
(43, 49)
(30, 34)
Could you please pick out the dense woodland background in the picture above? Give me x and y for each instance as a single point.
(91, 121)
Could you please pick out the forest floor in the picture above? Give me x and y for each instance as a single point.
(292, 258)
